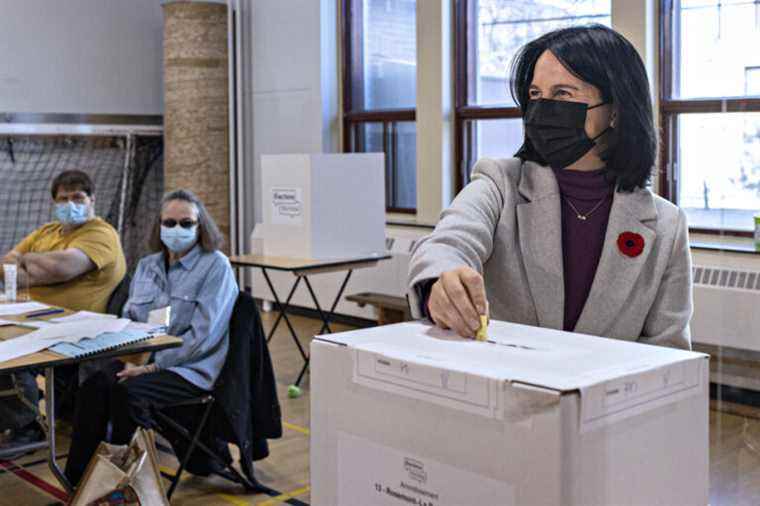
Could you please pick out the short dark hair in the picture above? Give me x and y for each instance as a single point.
(73, 180)
(209, 236)
(602, 57)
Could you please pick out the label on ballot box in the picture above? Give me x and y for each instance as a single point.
(376, 475)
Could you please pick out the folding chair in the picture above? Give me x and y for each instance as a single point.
(245, 317)
(229, 472)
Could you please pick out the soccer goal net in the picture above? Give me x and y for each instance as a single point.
(127, 171)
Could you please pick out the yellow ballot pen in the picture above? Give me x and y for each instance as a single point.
(482, 333)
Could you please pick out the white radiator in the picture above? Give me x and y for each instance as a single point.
(726, 307)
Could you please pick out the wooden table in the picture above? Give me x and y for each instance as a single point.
(302, 268)
(49, 360)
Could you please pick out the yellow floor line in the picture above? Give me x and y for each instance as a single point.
(237, 501)
(297, 428)
(226, 497)
(285, 497)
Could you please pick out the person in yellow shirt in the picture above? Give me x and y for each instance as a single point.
(75, 262)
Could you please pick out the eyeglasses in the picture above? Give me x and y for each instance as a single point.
(184, 223)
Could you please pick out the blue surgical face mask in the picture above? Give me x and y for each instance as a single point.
(179, 239)
(71, 213)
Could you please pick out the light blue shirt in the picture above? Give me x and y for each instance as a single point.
(201, 290)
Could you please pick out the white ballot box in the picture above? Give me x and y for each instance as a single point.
(410, 415)
(322, 206)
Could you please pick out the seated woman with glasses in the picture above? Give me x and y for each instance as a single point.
(190, 276)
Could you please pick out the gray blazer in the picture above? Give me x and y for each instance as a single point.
(506, 224)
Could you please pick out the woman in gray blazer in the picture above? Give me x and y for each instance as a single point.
(566, 234)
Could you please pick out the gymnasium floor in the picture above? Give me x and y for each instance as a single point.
(734, 452)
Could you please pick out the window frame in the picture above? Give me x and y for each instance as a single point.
(355, 115)
(464, 77)
(670, 108)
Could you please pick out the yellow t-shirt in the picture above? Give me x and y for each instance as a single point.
(89, 292)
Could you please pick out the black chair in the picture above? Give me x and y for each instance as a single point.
(119, 297)
(68, 378)
(202, 427)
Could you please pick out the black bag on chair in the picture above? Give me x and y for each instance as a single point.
(246, 411)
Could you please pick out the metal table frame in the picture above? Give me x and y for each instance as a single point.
(302, 269)
(49, 420)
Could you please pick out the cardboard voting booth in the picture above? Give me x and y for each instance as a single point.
(322, 206)
(410, 415)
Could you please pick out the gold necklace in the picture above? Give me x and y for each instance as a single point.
(581, 216)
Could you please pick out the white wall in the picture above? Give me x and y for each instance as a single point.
(294, 81)
(81, 56)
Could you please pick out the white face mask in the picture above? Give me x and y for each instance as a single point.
(178, 239)
(70, 213)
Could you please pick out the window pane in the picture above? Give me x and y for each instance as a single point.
(389, 54)
(503, 26)
(719, 169)
(716, 59)
(492, 138)
(405, 154)
(398, 140)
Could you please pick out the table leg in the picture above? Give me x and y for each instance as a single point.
(50, 415)
(282, 309)
(325, 317)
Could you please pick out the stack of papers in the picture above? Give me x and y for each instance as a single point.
(30, 324)
(20, 308)
(46, 337)
(75, 335)
(83, 315)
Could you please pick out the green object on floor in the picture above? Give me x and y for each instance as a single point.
(294, 392)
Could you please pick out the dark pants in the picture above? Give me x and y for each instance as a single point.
(16, 413)
(126, 404)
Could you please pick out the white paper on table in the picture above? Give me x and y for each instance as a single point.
(60, 333)
(161, 316)
(32, 324)
(150, 328)
(21, 308)
(83, 315)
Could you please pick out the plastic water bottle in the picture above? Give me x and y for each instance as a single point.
(10, 273)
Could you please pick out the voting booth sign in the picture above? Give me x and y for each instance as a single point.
(409, 414)
(321, 206)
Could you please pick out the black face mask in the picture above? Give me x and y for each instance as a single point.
(557, 130)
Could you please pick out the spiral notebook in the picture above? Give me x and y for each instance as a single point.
(103, 342)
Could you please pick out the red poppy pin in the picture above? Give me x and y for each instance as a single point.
(630, 244)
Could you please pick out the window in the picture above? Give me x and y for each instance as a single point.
(489, 33)
(380, 76)
(710, 112)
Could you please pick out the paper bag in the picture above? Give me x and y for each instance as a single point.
(123, 475)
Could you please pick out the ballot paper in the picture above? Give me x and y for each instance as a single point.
(20, 308)
(83, 315)
(71, 332)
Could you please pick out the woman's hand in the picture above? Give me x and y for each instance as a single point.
(457, 300)
(130, 371)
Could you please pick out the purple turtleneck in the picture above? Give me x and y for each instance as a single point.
(582, 240)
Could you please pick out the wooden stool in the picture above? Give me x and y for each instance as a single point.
(390, 308)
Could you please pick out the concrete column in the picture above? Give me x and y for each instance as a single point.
(196, 128)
